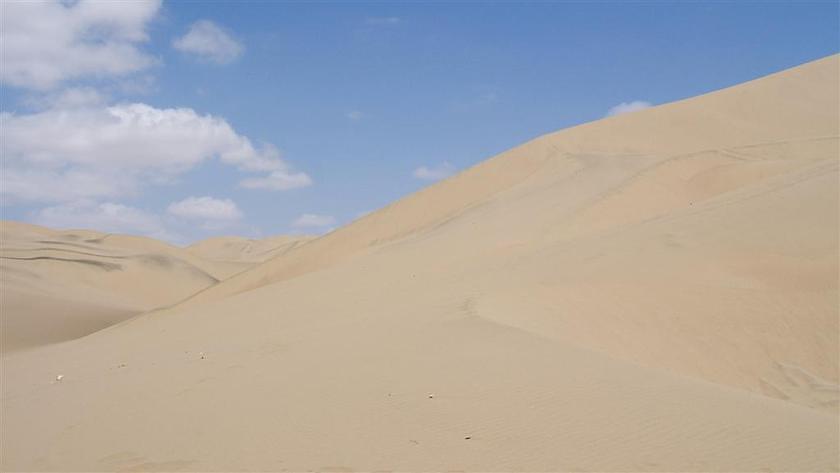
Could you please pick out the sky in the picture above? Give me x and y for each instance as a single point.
(185, 120)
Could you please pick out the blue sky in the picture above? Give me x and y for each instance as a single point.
(273, 117)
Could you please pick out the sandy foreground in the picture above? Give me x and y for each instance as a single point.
(655, 291)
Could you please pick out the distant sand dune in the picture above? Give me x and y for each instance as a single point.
(245, 250)
(656, 291)
(61, 285)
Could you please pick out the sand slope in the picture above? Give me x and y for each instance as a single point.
(655, 291)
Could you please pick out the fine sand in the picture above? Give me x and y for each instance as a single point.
(656, 291)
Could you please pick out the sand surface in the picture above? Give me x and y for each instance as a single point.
(656, 291)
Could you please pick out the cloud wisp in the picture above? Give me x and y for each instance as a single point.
(628, 107)
(355, 115)
(434, 173)
(209, 42)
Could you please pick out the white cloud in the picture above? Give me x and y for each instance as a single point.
(205, 208)
(355, 115)
(104, 152)
(210, 42)
(105, 217)
(313, 220)
(382, 20)
(434, 173)
(628, 107)
(45, 43)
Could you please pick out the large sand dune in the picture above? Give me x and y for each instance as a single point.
(653, 291)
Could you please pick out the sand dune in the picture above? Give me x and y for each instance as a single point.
(246, 251)
(61, 285)
(655, 291)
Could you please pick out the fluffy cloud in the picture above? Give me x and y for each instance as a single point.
(434, 173)
(105, 217)
(628, 107)
(313, 221)
(111, 151)
(205, 208)
(209, 42)
(45, 43)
